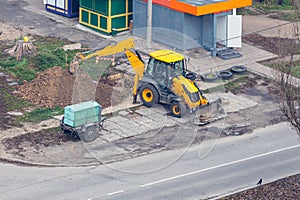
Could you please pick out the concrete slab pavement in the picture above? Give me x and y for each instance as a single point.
(144, 119)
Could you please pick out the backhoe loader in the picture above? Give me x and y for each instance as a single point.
(165, 80)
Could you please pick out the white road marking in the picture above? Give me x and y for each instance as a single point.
(219, 166)
(113, 193)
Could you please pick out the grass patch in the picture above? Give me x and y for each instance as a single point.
(232, 86)
(245, 11)
(238, 84)
(295, 71)
(40, 114)
(270, 5)
(18, 69)
(12, 102)
(287, 16)
(49, 54)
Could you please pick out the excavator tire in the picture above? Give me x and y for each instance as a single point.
(177, 109)
(149, 95)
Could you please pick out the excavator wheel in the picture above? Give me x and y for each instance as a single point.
(177, 109)
(149, 95)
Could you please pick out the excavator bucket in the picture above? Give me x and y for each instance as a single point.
(209, 113)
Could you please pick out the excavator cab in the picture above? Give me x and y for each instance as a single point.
(164, 72)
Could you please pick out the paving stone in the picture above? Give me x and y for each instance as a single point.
(129, 124)
(143, 111)
(234, 103)
(123, 113)
(133, 131)
(111, 137)
(105, 132)
(170, 123)
(117, 119)
(158, 117)
(159, 109)
(143, 120)
(109, 125)
(118, 131)
(181, 120)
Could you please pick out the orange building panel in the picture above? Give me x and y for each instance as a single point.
(203, 7)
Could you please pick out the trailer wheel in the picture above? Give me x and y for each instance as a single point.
(149, 95)
(90, 134)
(178, 109)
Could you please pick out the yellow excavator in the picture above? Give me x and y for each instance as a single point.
(165, 80)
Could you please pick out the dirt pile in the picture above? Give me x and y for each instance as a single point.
(57, 87)
(52, 87)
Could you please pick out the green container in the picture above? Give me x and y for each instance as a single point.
(106, 16)
(82, 113)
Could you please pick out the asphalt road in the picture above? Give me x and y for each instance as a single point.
(210, 170)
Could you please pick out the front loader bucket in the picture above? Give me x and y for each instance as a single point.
(209, 113)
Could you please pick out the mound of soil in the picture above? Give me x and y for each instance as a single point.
(57, 87)
(52, 87)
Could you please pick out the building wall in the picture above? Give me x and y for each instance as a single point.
(172, 28)
(67, 8)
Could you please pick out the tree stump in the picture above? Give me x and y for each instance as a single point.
(21, 48)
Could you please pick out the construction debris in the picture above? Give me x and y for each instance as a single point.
(23, 47)
(75, 46)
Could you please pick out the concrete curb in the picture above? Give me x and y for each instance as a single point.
(33, 164)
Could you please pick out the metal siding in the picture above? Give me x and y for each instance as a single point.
(103, 22)
(118, 7)
(193, 31)
(101, 6)
(86, 4)
(84, 16)
(208, 33)
(118, 22)
(75, 6)
(130, 5)
(94, 19)
(140, 14)
(168, 27)
(175, 29)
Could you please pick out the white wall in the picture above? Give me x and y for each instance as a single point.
(234, 31)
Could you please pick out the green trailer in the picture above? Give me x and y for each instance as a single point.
(83, 120)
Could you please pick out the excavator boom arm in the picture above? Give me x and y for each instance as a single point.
(123, 46)
(110, 50)
(138, 67)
